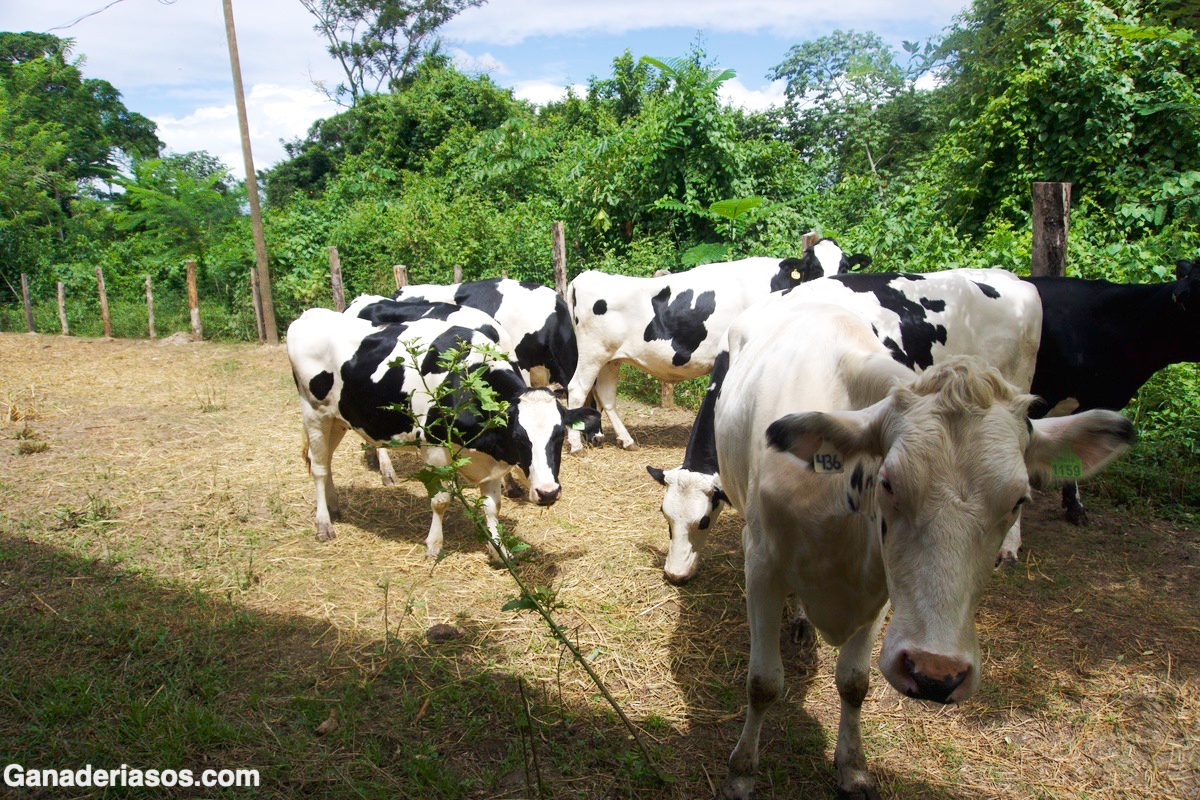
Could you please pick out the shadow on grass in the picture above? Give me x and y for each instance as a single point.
(106, 668)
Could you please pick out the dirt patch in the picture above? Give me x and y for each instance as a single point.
(175, 473)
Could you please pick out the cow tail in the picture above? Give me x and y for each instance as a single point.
(304, 448)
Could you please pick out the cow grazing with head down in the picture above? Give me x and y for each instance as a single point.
(864, 484)
(670, 326)
(920, 319)
(352, 373)
(1101, 341)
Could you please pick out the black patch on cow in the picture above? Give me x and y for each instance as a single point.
(601, 307)
(452, 337)
(989, 291)
(852, 501)
(386, 312)
(917, 334)
(363, 400)
(484, 295)
(701, 453)
(856, 478)
(678, 322)
(320, 385)
(936, 306)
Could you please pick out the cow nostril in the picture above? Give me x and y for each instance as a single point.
(935, 678)
(545, 498)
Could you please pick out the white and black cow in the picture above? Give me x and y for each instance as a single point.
(353, 373)
(1101, 341)
(921, 319)
(670, 326)
(864, 484)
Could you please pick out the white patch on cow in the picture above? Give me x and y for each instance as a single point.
(1064, 407)
(829, 255)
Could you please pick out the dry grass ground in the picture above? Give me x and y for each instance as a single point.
(164, 602)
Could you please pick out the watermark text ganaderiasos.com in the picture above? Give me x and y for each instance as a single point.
(17, 776)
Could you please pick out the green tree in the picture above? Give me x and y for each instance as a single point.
(377, 43)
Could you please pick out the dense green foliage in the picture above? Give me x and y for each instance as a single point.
(921, 159)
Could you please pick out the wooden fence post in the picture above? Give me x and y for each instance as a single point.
(504, 274)
(256, 299)
(401, 273)
(28, 303)
(194, 301)
(1051, 221)
(458, 273)
(62, 308)
(335, 280)
(558, 235)
(103, 304)
(150, 310)
(810, 238)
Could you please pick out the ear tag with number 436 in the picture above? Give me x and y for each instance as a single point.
(1067, 465)
(827, 460)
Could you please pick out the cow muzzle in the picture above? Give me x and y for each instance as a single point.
(547, 497)
(929, 676)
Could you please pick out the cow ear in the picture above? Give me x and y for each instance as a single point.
(657, 474)
(1078, 445)
(857, 261)
(851, 433)
(1184, 269)
(719, 496)
(588, 418)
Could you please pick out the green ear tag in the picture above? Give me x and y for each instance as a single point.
(1067, 465)
(827, 460)
(577, 425)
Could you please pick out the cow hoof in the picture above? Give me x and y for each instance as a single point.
(388, 480)
(630, 446)
(1006, 559)
(431, 554)
(863, 793)
(325, 533)
(737, 789)
(1077, 516)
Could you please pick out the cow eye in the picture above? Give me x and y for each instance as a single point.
(885, 484)
(704, 523)
(1020, 503)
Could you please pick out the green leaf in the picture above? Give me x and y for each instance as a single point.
(519, 604)
(732, 209)
(704, 254)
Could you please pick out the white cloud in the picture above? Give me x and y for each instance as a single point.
(465, 62)
(274, 113)
(512, 21)
(735, 93)
(543, 92)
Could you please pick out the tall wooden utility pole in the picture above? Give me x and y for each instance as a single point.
(260, 243)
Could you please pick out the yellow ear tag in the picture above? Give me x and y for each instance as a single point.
(1067, 465)
(827, 460)
(795, 274)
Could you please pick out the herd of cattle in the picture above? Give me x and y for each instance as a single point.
(878, 433)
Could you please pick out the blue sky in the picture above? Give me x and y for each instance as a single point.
(169, 59)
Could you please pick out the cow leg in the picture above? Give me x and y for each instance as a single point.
(321, 436)
(1070, 500)
(438, 505)
(853, 670)
(606, 392)
(385, 467)
(491, 490)
(1010, 546)
(577, 392)
(764, 683)
(336, 432)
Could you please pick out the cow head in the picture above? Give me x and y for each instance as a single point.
(822, 259)
(692, 503)
(537, 426)
(953, 453)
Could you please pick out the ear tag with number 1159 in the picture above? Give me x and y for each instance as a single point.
(827, 459)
